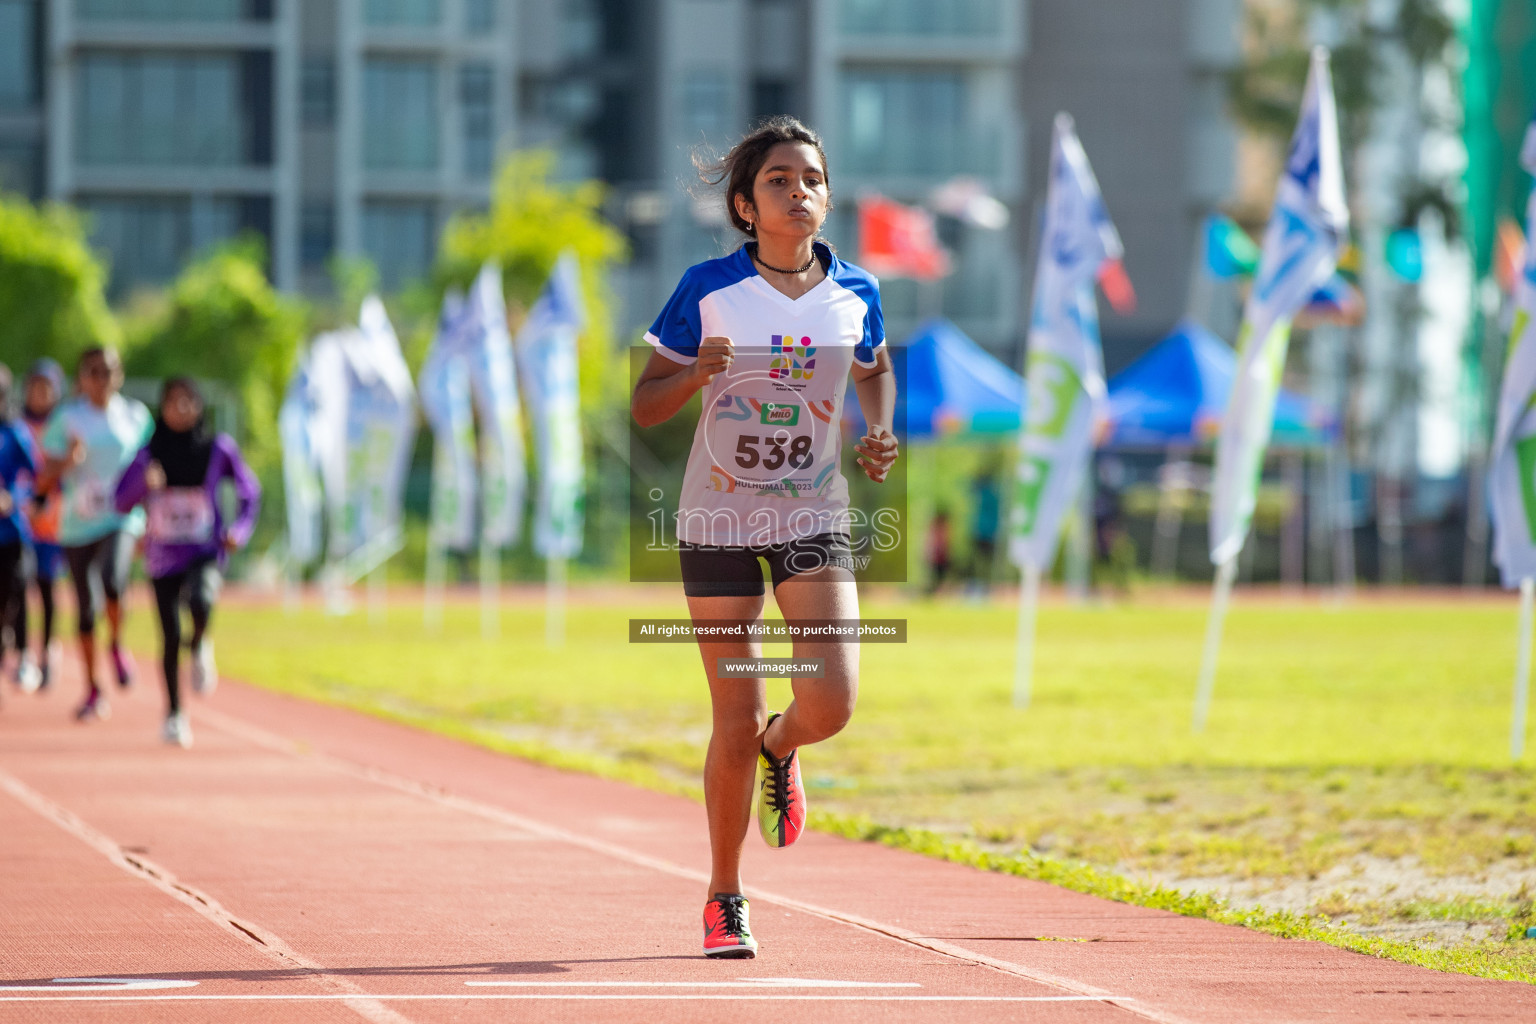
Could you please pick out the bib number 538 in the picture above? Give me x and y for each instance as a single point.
(797, 453)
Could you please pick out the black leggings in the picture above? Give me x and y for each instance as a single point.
(196, 586)
(44, 586)
(99, 570)
(13, 595)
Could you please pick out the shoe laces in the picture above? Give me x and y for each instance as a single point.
(732, 913)
(778, 780)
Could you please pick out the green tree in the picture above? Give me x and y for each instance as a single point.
(221, 321)
(52, 297)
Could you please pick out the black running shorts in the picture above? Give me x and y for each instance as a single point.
(710, 571)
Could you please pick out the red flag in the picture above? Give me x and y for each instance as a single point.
(1117, 287)
(899, 241)
(1508, 255)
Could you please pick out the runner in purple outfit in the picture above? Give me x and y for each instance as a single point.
(177, 476)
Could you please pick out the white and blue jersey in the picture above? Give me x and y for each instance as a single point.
(764, 468)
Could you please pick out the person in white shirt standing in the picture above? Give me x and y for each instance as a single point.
(770, 334)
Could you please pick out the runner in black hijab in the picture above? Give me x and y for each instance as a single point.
(182, 454)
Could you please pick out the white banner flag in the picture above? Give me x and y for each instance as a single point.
(1065, 369)
(1301, 248)
(297, 423)
(493, 379)
(378, 428)
(446, 399)
(1512, 460)
(546, 345)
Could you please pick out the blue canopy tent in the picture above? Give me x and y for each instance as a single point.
(1172, 399)
(1176, 392)
(948, 385)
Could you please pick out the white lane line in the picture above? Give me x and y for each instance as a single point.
(719, 997)
(271, 741)
(772, 983)
(146, 870)
(100, 985)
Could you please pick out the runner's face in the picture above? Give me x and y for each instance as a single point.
(100, 377)
(41, 398)
(180, 411)
(790, 193)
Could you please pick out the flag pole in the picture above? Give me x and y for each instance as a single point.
(554, 601)
(490, 591)
(1522, 669)
(1024, 665)
(1221, 595)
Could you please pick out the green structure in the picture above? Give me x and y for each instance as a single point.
(1500, 90)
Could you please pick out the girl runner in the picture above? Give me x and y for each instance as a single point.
(177, 476)
(17, 466)
(42, 391)
(89, 441)
(762, 479)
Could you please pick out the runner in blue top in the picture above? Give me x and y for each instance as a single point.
(91, 438)
(18, 467)
(769, 334)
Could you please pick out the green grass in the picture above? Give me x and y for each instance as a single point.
(1375, 734)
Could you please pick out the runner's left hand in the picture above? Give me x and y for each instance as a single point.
(877, 453)
(231, 542)
(6, 503)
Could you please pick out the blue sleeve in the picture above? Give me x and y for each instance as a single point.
(874, 326)
(676, 332)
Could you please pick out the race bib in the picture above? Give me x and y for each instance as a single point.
(180, 515)
(92, 500)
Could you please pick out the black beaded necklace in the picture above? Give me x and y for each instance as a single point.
(752, 251)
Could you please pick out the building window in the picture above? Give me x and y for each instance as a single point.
(21, 167)
(771, 97)
(317, 234)
(175, 10)
(479, 15)
(707, 104)
(165, 109)
(479, 121)
(147, 240)
(400, 114)
(581, 29)
(401, 12)
(921, 17)
(913, 123)
(399, 238)
(19, 73)
(317, 92)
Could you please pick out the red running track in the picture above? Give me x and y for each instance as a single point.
(307, 863)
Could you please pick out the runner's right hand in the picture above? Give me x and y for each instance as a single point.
(715, 356)
(154, 476)
(76, 453)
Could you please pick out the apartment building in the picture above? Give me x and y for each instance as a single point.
(360, 126)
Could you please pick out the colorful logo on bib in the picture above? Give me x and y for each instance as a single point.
(791, 360)
(780, 415)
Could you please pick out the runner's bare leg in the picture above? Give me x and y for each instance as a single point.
(740, 713)
(821, 706)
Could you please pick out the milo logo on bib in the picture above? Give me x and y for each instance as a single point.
(780, 415)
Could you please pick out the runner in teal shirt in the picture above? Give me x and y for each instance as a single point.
(89, 441)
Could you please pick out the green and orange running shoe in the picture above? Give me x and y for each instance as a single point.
(726, 935)
(780, 798)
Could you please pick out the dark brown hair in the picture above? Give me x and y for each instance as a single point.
(738, 168)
